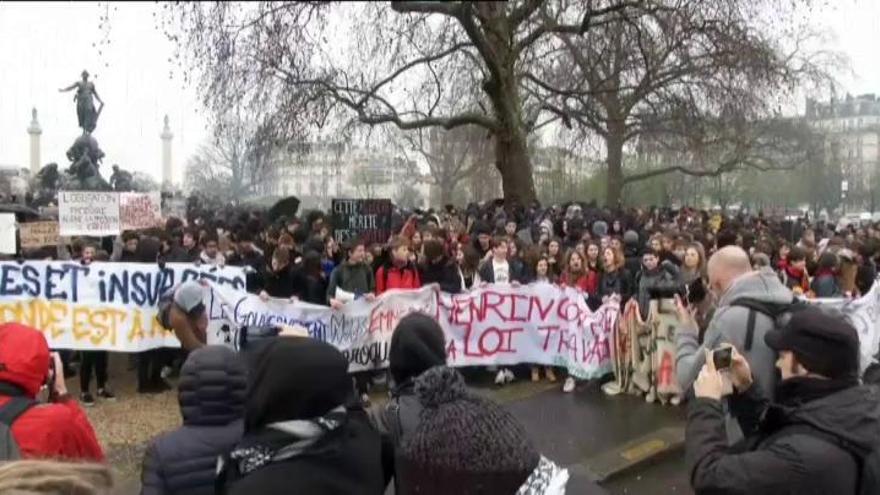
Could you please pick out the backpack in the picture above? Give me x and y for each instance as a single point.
(780, 313)
(9, 412)
(868, 465)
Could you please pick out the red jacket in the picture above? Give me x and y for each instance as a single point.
(397, 278)
(59, 430)
(581, 281)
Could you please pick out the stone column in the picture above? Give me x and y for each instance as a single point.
(166, 136)
(34, 131)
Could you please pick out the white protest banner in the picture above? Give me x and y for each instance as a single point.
(7, 233)
(864, 314)
(539, 324)
(38, 234)
(88, 213)
(139, 210)
(109, 306)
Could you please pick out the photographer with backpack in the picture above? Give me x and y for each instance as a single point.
(819, 436)
(748, 305)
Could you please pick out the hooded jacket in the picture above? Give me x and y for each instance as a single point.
(729, 325)
(212, 389)
(58, 430)
(299, 435)
(785, 455)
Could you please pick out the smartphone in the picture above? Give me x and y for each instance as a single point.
(722, 358)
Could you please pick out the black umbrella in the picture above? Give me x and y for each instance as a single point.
(285, 207)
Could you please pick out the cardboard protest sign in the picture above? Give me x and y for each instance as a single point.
(88, 213)
(139, 210)
(38, 234)
(7, 233)
(367, 219)
(109, 306)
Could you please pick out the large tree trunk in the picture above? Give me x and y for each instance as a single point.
(512, 161)
(614, 163)
(511, 137)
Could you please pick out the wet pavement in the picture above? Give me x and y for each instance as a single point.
(575, 430)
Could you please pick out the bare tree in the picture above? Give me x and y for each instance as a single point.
(234, 163)
(452, 156)
(415, 65)
(700, 60)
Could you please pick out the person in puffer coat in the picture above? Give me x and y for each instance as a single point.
(212, 394)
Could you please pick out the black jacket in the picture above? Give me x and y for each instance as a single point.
(212, 391)
(281, 283)
(665, 279)
(617, 282)
(487, 272)
(782, 456)
(444, 273)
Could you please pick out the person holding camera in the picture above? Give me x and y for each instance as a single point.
(732, 282)
(821, 433)
(57, 430)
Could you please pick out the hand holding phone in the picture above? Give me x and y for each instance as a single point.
(722, 358)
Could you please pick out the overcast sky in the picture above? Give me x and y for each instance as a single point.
(45, 46)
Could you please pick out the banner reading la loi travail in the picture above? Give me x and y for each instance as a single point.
(110, 306)
(540, 324)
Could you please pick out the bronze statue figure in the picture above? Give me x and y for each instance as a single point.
(86, 113)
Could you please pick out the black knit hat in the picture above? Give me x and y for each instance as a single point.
(823, 343)
(465, 444)
(417, 345)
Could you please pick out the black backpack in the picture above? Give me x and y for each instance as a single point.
(17, 405)
(780, 314)
(868, 464)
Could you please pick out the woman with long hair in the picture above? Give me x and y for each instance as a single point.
(594, 268)
(542, 275)
(615, 278)
(694, 263)
(555, 257)
(575, 274)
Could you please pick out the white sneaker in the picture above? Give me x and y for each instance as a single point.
(651, 396)
(508, 376)
(500, 378)
(568, 387)
(675, 400)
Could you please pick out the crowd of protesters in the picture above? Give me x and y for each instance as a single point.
(263, 425)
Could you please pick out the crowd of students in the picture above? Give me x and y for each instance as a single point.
(613, 256)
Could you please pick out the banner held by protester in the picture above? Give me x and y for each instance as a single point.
(109, 306)
(365, 219)
(88, 213)
(140, 210)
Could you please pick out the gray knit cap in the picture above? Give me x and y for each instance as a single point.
(464, 444)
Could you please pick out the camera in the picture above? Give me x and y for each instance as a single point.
(692, 293)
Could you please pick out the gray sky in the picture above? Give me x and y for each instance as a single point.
(45, 46)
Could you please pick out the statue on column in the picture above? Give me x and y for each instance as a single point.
(86, 93)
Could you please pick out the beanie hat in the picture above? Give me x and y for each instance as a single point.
(464, 444)
(600, 228)
(417, 345)
(631, 238)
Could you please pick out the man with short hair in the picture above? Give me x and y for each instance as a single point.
(497, 269)
(731, 279)
(815, 436)
(353, 276)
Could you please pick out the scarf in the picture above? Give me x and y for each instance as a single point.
(794, 392)
(283, 440)
(546, 479)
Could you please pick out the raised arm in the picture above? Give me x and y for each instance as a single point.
(72, 86)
